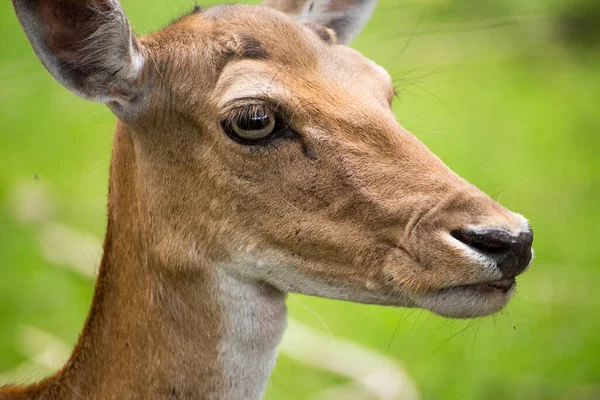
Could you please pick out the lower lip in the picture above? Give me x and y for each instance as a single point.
(471, 301)
(502, 286)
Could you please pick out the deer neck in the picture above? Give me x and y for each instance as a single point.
(153, 334)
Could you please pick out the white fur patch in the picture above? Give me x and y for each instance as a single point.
(256, 318)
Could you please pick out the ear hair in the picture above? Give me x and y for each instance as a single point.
(88, 46)
(111, 49)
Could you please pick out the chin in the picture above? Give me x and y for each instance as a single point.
(468, 301)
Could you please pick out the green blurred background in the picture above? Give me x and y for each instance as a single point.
(506, 92)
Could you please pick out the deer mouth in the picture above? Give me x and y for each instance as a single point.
(470, 300)
(502, 286)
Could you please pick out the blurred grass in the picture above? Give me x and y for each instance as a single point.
(500, 90)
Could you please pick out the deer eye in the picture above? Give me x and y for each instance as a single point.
(250, 125)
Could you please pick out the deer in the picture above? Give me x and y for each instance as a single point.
(255, 154)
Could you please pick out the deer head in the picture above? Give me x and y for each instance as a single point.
(255, 154)
(267, 147)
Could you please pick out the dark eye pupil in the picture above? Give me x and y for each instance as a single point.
(254, 121)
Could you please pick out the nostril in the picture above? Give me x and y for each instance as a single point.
(512, 253)
(488, 241)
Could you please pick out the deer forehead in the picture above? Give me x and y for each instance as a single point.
(268, 54)
(245, 79)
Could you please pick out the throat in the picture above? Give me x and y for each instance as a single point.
(255, 318)
(208, 335)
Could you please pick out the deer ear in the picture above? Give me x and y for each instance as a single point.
(345, 17)
(87, 45)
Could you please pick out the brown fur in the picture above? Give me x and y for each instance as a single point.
(149, 328)
(351, 207)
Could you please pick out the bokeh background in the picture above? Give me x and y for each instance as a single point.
(506, 92)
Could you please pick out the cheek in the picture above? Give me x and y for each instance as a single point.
(281, 200)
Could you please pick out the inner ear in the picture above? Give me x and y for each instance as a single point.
(326, 34)
(345, 17)
(68, 24)
(87, 45)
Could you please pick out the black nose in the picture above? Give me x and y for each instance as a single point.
(511, 253)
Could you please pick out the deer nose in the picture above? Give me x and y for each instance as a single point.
(512, 253)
